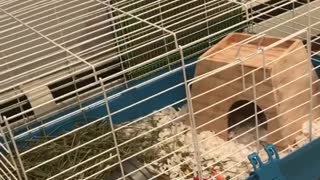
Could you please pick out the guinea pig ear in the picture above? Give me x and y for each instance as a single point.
(231, 135)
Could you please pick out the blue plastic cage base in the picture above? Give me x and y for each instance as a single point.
(140, 90)
(125, 99)
(303, 164)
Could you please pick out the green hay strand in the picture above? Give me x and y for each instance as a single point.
(84, 153)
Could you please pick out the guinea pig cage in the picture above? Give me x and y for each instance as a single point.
(159, 89)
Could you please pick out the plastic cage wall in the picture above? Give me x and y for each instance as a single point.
(106, 89)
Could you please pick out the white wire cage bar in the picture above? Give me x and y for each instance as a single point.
(53, 89)
(62, 59)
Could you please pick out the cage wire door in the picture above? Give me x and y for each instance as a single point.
(110, 89)
(8, 167)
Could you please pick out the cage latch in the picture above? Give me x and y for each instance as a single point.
(269, 170)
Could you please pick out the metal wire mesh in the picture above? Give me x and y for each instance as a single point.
(188, 20)
(90, 89)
